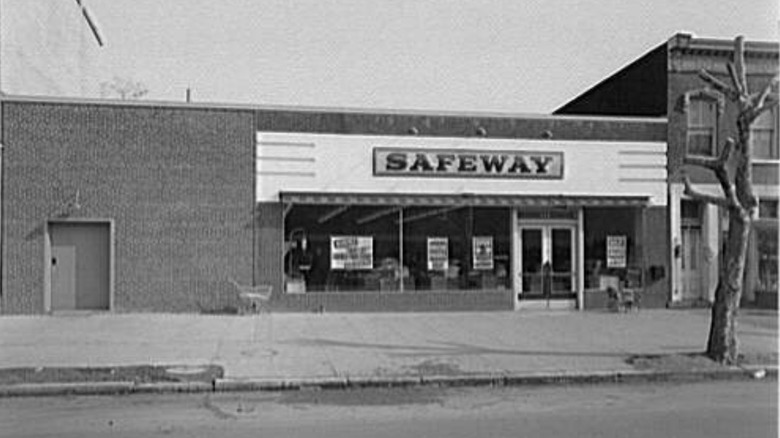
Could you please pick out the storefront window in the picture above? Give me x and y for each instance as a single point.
(457, 248)
(609, 245)
(338, 248)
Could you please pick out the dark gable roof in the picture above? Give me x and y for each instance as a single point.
(640, 88)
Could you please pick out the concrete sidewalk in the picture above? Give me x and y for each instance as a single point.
(318, 347)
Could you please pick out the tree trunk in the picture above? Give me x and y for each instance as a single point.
(722, 344)
(739, 198)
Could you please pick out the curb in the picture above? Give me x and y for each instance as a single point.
(172, 387)
(510, 379)
(79, 388)
(761, 371)
(401, 381)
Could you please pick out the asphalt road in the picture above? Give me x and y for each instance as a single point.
(711, 409)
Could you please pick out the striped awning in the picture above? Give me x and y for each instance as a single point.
(445, 200)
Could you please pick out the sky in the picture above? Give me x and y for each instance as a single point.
(506, 56)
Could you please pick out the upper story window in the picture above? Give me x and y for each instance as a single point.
(702, 125)
(763, 136)
(767, 209)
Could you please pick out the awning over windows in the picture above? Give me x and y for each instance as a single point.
(435, 200)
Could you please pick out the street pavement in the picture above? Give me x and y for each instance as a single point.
(712, 409)
(285, 346)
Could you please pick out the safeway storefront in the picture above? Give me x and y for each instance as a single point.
(427, 223)
(134, 206)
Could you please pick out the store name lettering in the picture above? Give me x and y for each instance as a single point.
(447, 163)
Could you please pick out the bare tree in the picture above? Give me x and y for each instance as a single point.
(123, 88)
(734, 171)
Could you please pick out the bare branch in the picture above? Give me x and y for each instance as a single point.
(735, 78)
(730, 193)
(704, 197)
(765, 93)
(714, 164)
(767, 106)
(725, 153)
(767, 103)
(695, 160)
(719, 85)
(719, 167)
(739, 63)
(765, 100)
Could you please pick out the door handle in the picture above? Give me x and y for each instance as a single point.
(54, 261)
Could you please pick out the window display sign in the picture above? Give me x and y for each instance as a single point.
(438, 253)
(351, 252)
(459, 163)
(483, 252)
(616, 251)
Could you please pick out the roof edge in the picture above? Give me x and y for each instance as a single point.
(687, 41)
(315, 109)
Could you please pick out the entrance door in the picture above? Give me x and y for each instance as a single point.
(691, 273)
(79, 267)
(547, 260)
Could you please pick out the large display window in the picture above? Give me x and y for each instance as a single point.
(610, 246)
(343, 248)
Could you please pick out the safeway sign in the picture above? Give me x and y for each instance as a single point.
(443, 163)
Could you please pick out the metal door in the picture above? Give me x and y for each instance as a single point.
(79, 266)
(63, 277)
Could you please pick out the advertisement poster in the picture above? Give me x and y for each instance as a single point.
(351, 252)
(616, 251)
(438, 253)
(483, 252)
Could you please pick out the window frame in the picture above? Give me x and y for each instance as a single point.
(774, 148)
(766, 202)
(717, 101)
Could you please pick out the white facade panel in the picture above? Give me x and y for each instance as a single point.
(642, 174)
(329, 163)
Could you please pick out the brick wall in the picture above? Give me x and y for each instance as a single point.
(177, 182)
(656, 292)
(683, 81)
(561, 128)
(269, 223)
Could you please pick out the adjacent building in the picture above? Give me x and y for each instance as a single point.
(664, 83)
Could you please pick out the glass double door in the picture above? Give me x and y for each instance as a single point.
(547, 261)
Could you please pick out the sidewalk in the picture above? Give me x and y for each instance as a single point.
(374, 347)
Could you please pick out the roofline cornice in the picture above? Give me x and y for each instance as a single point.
(686, 43)
(313, 109)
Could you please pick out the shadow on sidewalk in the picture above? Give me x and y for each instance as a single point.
(446, 349)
